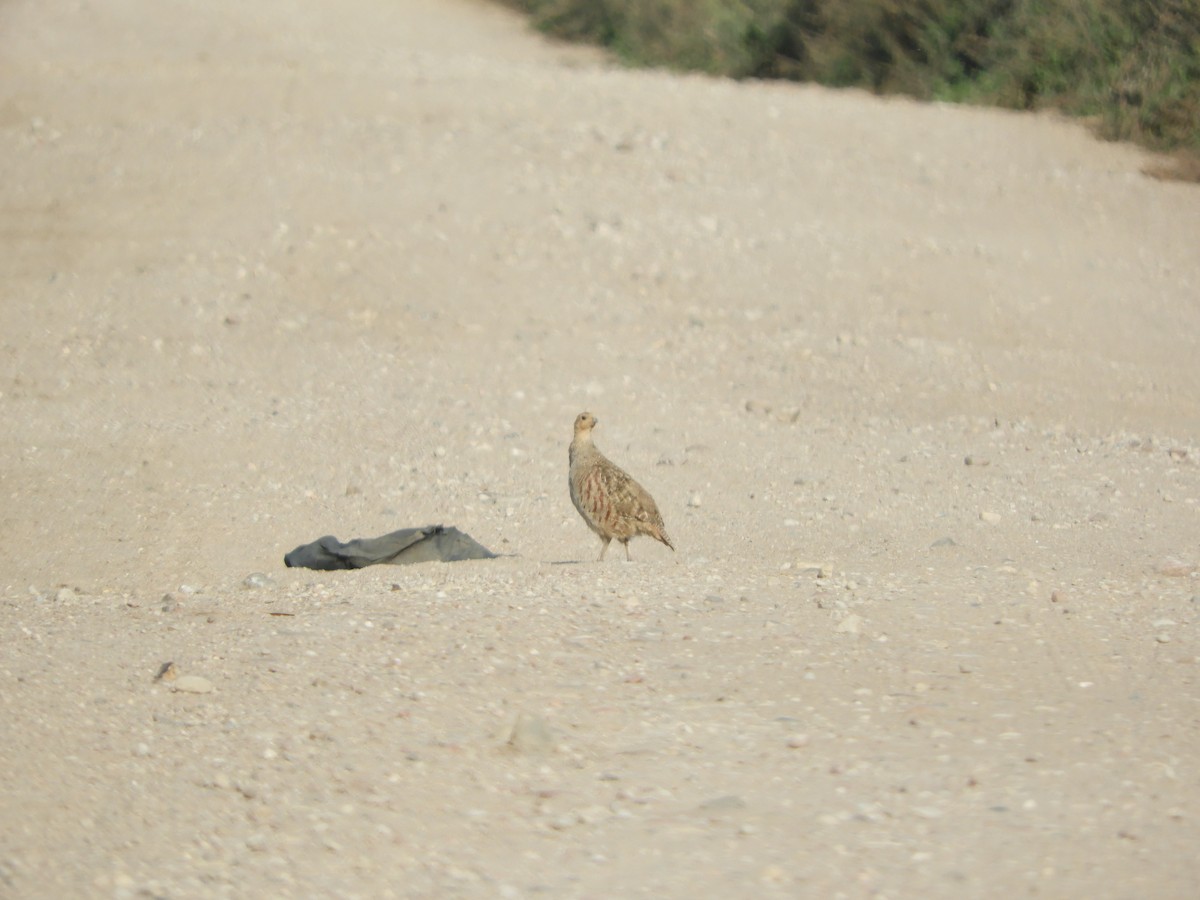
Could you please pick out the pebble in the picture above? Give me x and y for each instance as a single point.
(193, 684)
(256, 580)
(723, 804)
(943, 542)
(797, 741)
(1174, 568)
(810, 568)
(990, 517)
(592, 815)
(64, 595)
(694, 501)
(531, 734)
(975, 461)
(852, 624)
(773, 875)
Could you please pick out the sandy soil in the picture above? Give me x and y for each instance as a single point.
(915, 388)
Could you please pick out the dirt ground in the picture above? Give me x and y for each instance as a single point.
(916, 388)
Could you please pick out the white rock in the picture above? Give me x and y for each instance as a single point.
(852, 624)
(531, 734)
(193, 684)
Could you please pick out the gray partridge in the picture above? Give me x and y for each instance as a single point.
(610, 501)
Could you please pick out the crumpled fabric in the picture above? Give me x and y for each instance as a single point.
(433, 543)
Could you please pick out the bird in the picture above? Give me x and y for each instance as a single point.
(612, 504)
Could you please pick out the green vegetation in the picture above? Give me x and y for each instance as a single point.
(1133, 66)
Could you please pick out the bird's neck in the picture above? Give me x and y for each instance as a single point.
(581, 444)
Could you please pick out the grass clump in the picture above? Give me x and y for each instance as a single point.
(1133, 66)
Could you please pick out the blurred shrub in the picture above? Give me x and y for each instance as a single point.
(1134, 65)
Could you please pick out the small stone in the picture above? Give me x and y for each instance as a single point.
(64, 595)
(726, 803)
(990, 517)
(142, 749)
(592, 815)
(797, 741)
(773, 875)
(943, 542)
(852, 624)
(1163, 638)
(694, 501)
(976, 461)
(531, 734)
(256, 580)
(1175, 568)
(1178, 454)
(193, 684)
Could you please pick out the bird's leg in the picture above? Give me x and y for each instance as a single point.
(628, 558)
(604, 548)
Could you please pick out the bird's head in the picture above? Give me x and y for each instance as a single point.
(585, 422)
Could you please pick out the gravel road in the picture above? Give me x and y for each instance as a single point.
(915, 387)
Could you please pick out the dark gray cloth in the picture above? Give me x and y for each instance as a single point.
(408, 545)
